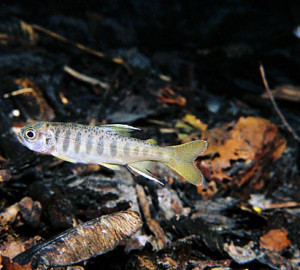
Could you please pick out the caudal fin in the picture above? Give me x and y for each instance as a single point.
(183, 160)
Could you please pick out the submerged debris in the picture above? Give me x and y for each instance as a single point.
(194, 83)
(239, 152)
(90, 239)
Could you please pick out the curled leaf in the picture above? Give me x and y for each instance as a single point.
(80, 243)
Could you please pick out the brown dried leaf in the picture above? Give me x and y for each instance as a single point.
(30, 210)
(168, 263)
(7, 264)
(5, 175)
(9, 215)
(251, 139)
(11, 248)
(167, 95)
(145, 262)
(275, 239)
(174, 257)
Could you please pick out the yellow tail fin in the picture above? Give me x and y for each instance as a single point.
(183, 160)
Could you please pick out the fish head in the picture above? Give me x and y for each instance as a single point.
(38, 137)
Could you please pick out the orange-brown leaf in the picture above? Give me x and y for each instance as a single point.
(239, 151)
(275, 240)
(8, 264)
(167, 95)
(249, 140)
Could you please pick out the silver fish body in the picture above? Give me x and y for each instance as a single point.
(110, 146)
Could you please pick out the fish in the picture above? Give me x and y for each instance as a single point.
(112, 146)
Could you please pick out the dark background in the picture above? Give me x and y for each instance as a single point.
(209, 50)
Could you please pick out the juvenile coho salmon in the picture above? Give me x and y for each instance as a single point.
(111, 146)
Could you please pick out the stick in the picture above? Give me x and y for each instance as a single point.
(19, 92)
(116, 60)
(285, 123)
(85, 78)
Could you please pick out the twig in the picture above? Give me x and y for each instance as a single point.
(116, 60)
(285, 123)
(281, 205)
(160, 237)
(19, 92)
(63, 39)
(85, 78)
(46, 111)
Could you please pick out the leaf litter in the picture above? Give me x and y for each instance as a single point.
(247, 214)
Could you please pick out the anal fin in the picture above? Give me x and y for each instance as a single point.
(143, 168)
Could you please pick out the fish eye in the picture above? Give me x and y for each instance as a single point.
(30, 134)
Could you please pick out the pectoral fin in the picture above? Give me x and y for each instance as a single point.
(110, 166)
(66, 159)
(143, 168)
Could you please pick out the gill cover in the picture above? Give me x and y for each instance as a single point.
(37, 138)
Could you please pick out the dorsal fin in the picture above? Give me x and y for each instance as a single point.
(120, 129)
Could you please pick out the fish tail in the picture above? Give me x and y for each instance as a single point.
(183, 159)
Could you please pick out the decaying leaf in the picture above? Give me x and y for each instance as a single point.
(170, 204)
(29, 210)
(167, 95)
(221, 264)
(241, 255)
(189, 127)
(9, 215)
(275, 239)
(5, 175)
(90, 239)
(275, 261)
(145, 262)
(172, 257)
(239, 149)
(13, 246)
(7, 264)
(195, 122)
